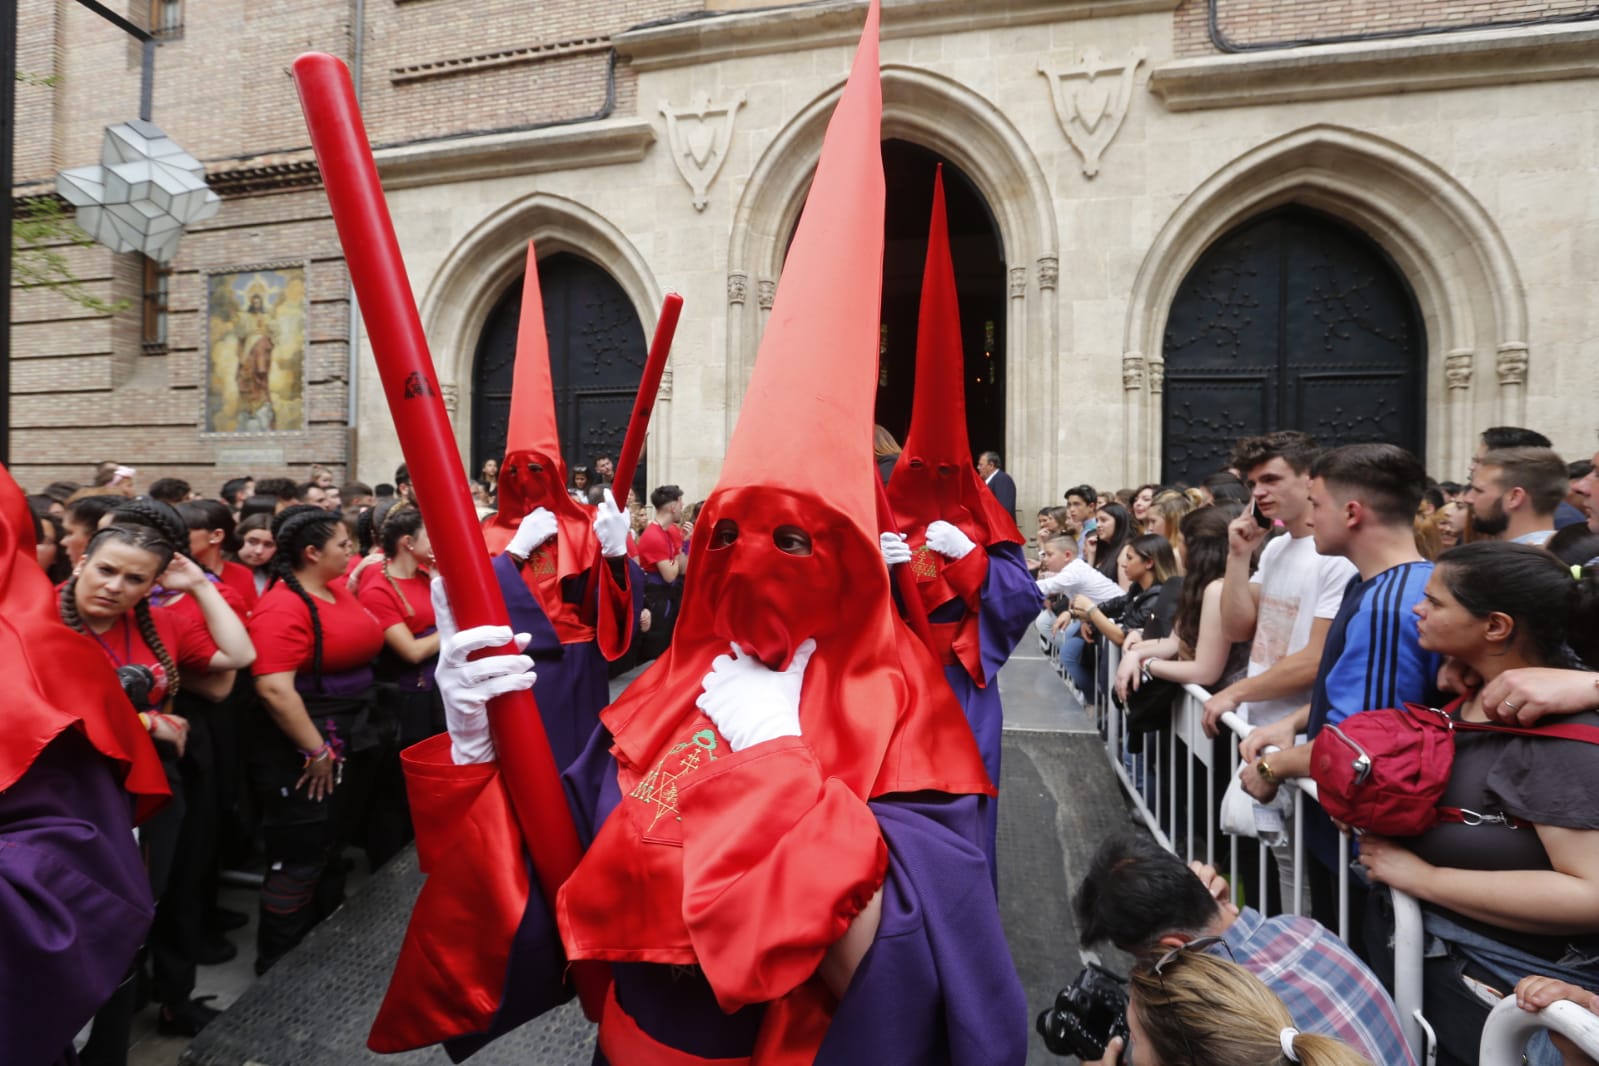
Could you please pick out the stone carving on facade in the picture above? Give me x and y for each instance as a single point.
(451, 394)
(1133, 371)
(1091, 100)
(699, 136)
(766, 293)
(664, 392)
(1048, 271)
(1458, 367)
(1018, 282)
(1512, 364)
(736, 283)
(1157, 376)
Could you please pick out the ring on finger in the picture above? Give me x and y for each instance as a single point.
(1511, 706)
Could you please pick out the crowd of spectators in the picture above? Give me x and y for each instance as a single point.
(1299, 587)
(287, 631)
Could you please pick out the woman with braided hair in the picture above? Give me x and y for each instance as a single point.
(108, 599)
(397, 592)
(311, 752)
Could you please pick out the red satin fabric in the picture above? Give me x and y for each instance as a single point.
(59, 679)
(451, 970)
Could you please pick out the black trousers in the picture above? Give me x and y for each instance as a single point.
(409, 715)
(191, 881)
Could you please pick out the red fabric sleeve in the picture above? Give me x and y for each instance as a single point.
(280, 628)
(760, 908)
(381, 602)
(614, 618)
(237, 579)
(654, 547)
(184, 632)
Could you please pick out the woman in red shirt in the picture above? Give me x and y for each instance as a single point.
(399, 595)
(312, 752)
(210, 535)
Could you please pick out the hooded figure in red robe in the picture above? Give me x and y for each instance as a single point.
(77, 772)
(785, 812)
(965, 550)
(562, 566)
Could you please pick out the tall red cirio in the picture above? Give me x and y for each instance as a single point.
(648, 386)
(388, 307)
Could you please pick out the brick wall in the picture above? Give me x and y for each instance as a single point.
(1248, 23)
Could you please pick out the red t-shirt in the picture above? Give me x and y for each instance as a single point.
(284, 641)
(189, 647)
(378, 597)
(658, 544)
(241, 580)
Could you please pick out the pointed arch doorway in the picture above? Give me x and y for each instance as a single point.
(979, 260)
(597, 352)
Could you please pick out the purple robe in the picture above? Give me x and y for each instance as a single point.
(1008, 604)
(573, 686)
(74, 899)
(938, 985)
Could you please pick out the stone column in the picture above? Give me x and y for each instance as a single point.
(737, 357)
(1135, 409)
(1510, 404)
(1459, 369)
(1048, 419)
(765, 295)
(1155, 372)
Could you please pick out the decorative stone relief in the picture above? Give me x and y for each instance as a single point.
(1512, 364)
(1018, 282)
(766, 293)
(1091, 100)
(1133, 371)
(1157, 376)
(1458, 366)
(1048, 271)
(664, 392)
(736, 283)
(451, 395)
(699, 135)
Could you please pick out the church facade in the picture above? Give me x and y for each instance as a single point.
(1183, 221)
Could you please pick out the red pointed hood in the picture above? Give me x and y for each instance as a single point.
(934, 478)
(532, 440)
(800, 459)
(57, 679)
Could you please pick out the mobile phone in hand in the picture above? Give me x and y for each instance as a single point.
(1260, 520)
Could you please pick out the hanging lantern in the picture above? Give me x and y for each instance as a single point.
(141, 194)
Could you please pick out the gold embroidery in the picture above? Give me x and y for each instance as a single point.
(541, 562)
(659, 786)
(923, 564)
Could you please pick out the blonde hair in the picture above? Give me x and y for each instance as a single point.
(1201, 1009)
(1172, 505)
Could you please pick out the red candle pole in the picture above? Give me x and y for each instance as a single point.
(649, 385)
(532, 780)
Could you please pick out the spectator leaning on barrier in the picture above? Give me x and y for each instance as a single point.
(1514, 493)
(1363, 499)
(1141, 898)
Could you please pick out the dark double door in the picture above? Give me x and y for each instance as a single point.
(597, 352)
(1291, 321)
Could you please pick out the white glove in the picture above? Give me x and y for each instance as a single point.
(611, 526)
(536, 528)
(895, 550)
(750, 702)
(948, 541)
(467, 687)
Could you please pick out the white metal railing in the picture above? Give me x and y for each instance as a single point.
(1505, 1036)
(1171, 760)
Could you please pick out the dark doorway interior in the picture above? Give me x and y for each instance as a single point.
(1293, 320)
(597, 351)
(979, 279)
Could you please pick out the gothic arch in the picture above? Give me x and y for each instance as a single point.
(951, 119)
(476, 272)
(1443, 241)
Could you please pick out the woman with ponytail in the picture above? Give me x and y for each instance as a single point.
(311, 752)
(1194, 1009)
(211, 541)
(398, 594)
(1509, 877)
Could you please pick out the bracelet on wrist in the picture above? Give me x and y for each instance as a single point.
(1263, 768)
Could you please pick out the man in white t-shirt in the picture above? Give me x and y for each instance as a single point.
(1287, 607)
(1076, 578)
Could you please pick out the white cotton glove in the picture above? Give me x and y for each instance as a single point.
(467, 687)
(536, 528)
(750, 702)
(948, 541)
(611, 526)
(895, 550)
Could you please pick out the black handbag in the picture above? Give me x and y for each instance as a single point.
(1148, 708)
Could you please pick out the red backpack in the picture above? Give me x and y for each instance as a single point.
(1385, 771)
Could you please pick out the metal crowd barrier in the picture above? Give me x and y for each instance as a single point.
(1505, 1036)
(1160, 782)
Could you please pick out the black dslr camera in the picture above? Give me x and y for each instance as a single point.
(1088, 1014)
(137, 681)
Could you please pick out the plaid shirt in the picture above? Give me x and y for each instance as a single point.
(1325, 987)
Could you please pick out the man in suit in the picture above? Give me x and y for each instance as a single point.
(998, 482)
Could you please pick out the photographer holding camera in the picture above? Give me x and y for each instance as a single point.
(1143, 899)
